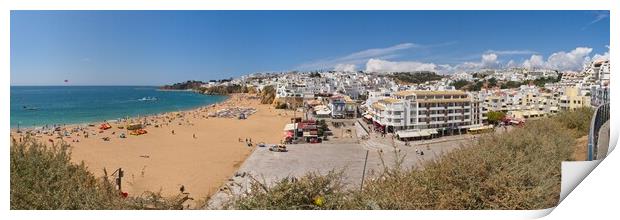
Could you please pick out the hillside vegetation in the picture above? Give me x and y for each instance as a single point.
(43, 177)
(518, 170)
(226, 89)
(415, 77)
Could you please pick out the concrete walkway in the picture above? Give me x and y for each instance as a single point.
(603, 141)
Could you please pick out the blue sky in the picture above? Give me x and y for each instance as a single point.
(160, 47)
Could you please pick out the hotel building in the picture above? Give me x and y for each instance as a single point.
(444, 111)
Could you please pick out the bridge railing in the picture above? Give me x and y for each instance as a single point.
(601, 115)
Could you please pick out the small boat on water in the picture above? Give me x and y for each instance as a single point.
(30, 108)
(147, 99)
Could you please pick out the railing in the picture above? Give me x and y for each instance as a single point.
(601, 115)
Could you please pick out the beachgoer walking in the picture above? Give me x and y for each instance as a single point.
(172, 131)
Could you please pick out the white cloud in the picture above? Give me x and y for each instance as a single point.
(378, 60)
(535, 61)
(511, 52)
(359, 57)
(489, 60)
(572, 60)
(377, 65)
(511, 64)
(376, 52)
(345, 67)
(600, 15)
(598, 57)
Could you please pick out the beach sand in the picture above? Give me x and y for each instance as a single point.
(162, 161)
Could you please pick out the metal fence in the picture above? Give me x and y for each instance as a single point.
(601, 115)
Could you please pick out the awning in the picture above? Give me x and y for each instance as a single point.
(290, 127)
(310, 134)
(431, 131)
(412, 133)
(481, 128)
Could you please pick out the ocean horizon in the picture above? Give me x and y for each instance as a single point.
(35, 106)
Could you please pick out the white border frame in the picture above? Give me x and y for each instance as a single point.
(595, 196)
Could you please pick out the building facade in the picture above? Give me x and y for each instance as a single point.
(445, 111)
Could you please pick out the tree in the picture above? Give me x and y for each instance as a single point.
(511, 84)
(460, 84)
(476, 86)
(416, 77)
(492, 82)
(495, 117)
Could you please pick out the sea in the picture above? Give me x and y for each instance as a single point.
(34, 106)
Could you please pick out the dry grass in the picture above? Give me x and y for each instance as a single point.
(516, 171)
(42, 177)
(581, 149)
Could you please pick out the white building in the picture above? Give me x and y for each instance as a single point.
(446, 111)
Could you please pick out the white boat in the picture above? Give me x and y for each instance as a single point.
(148, 99)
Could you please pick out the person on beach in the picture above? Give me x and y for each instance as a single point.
(172, 131)
(194, 136)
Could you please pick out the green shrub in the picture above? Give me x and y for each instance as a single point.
(312, 191)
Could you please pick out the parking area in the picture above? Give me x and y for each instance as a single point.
(349, 156)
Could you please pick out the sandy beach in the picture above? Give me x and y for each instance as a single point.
(201, 154)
